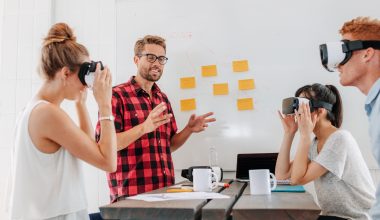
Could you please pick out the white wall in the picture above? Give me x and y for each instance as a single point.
(281, 45)
(23, 24)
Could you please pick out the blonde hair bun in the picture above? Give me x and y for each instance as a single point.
(58, 33)
(60, 49)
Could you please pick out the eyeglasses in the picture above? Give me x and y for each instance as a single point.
(152, 58)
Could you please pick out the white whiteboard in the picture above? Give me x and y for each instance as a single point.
(280, 40)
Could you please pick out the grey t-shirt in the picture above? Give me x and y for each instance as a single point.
(347, 189)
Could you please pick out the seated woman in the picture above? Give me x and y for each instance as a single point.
(332, 158)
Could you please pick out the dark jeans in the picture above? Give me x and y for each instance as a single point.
(96, 216)
(325, 217)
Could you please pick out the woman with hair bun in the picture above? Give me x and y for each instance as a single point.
(46, 177)
(331, 157)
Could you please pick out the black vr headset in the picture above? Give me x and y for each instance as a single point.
(334, 54)
(292, 103)
(188, 173)
(87, 71)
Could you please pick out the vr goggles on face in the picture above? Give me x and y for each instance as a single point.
(292, 103)
(334, 54)
(87, 71)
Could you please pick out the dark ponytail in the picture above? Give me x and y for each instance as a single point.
(336, 115)
(329, 94)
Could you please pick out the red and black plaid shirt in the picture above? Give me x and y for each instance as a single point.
(146, 164)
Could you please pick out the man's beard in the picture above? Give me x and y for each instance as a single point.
(151, 78)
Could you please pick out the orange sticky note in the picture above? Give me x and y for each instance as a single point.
(188, 104)
(245, 104)
(187, 82)
(220, 89)
(240, 65)
(246, 84)
(209, 71)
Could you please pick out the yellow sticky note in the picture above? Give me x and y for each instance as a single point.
(245, 104)
(188, 104)
(246, 84)
(240, 65)
(187, 82)
(209, 71)
(220, 89)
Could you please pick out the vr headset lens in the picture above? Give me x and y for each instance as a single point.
(292, 103)
(332, 55)
(87, 73)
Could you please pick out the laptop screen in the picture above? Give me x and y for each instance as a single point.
(246, 162)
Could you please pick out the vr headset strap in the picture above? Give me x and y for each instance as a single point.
(83, 71)
(359, 45)
(320, 104)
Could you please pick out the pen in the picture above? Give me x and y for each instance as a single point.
(178, 190)
(179, 186)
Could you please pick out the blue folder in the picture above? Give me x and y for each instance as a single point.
(289, 188)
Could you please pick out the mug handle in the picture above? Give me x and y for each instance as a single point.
(273, 177)
(214, 184)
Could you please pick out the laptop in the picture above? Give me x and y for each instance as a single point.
(246, 162)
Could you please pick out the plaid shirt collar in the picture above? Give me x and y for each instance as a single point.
(137, 88)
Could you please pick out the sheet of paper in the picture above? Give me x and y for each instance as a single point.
(240, 65)
(187, 82)
(178, 196)
(188, 104)
(246, 84)
(245, 104)
(220, 89)
(208, 71)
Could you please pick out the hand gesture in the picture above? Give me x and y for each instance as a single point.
(199, 123)
(156, 118)
(102, 88)
(306, 122)
(288, 123)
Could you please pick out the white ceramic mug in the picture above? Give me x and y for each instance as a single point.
(202, 180)
(259, 182)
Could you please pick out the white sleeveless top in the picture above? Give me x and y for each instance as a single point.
(44, 186)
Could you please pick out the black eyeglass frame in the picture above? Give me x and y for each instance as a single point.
(161, 59)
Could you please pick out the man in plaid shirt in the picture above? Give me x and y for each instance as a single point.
(146, 127)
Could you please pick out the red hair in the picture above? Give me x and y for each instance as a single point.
(362, 28)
